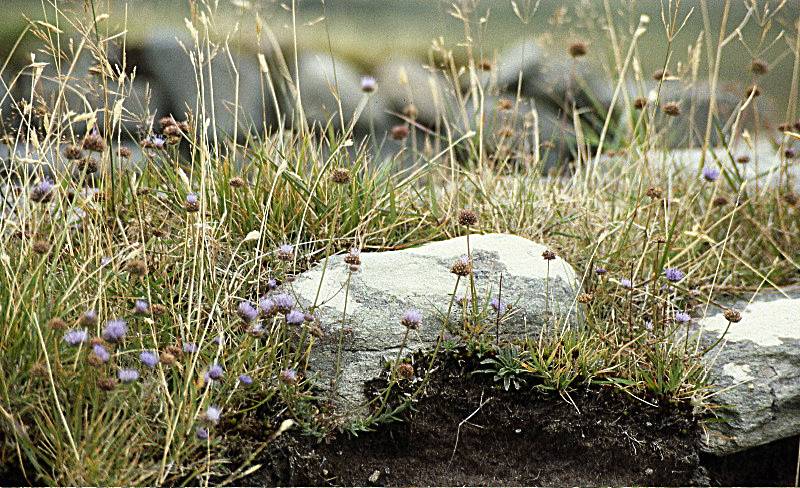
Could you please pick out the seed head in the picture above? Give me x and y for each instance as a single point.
(462, 266)
(124, 152)
(128, 375)
(655, 192)
(732, 316)
(673, 109)
(399, 132)
(661, 74)
(94, 142)
(720, 201)
(353, 257)
(115, 330)
(790, 153)
(640, 103)
(752, 90)
(340, 176)
(166, 358)
(585, 298)
(405, 371)
(410, 111)
(76, 337)
(56, 323)
(791, 198)
(467, 217)
(237, 182)
(743, 159)
(674, 275)
(578, 49)
(137, 267)
(107, 384)
(505, 104)
(759, 67)
(411, 319)
(549, 255)
(710, 173)
(485, 65)
(288, 377)
(43, 192)
(73, 153)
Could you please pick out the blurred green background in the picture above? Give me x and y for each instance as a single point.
(368, 31)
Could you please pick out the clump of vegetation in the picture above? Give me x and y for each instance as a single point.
(145, 290)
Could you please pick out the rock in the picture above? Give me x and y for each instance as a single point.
(757, 372)
(389, 283)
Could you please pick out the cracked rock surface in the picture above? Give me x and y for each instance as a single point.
(389, 283)
(757, 371)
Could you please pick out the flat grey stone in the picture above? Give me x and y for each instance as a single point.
(389, 283)
(757, 372)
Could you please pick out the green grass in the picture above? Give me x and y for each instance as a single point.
(60, 427)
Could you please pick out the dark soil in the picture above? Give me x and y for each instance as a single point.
(468, 431)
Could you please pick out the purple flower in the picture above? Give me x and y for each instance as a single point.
(149, 358)
(213, 414)
(115, 330)
(648, 325)
(626, 283)
(155, 141)
(710, 174)
(283, 302)
(128, 375)
(101, 353)
(247, 312)
(191, 199)
(682, 317)
(285, 252)
(674, 274)
(246, 379)
(498, 305)
(201, 433)
(272, 284)
(42, 192)
(141, 307)
(288, 376)
(600, 271)
(368, 84)
(89, 318)
(411, 318)
(295, 317)
(215, 372)
(267, 307)
(189, 347)
(76, 337)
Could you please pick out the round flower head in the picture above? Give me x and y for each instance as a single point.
(462, 266)
(353, 257)
(128, 375)
(42, 192)
(368, 84)
(89, 318)
(288, 376)
(498, 305)
(467, 217)
(213, 414)
(76, 337)
(674, 274)
(411, 319)
(189, 347)
(245, 379)
(283, 302)
(149, 358)
(682, 317)
(285, 252)
(600, 271)
(201, 433)
(272, 284)
(626, 283)
(101, 353)
(710, 174)
(191, 199)
(295, 317)
(267, 307)
(215, 372)
(141, 307)
(247, 312)
(115, 330)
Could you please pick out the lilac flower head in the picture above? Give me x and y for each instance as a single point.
(295, 317)
(156, 141)
(215, 372)
(101, 353)
(284, 302)
(115, 330)
(710, 174)
(201, 433)
(411, 318)
(189, 347)
(271, 284)
(626, 283)
(285, 252)
(288, 376)
(149, 358)
(674, 274)
(128, 375)
(368, 84)
(141, 307)
(89, 318)
(42, 192)
(600, 271)
(213, 414)
(682, 317)
(498, 305)
(247, 312)
(76, 337)
(648, 325)
(268, 307)
(191, 199)
(246, 379)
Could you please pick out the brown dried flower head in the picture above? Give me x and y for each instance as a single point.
(720, 201)
(124, 152)
(639, 103)
(399, 132)
(505, 104)
(661, 74)
(137, 267)
(759, 67)
(578, 49)
(549, 255)
(107, 384)
(752, 90)
(673, 109)
(743, 159)
(340, 176)
(585, 297)
(57, 323)
(732, 316)
(237, 182)
(655, 192)
(94, 142)
(462, 266)
(73, 152)
(41, 247)
(410, 111)
(405, 371)
(467, 217)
